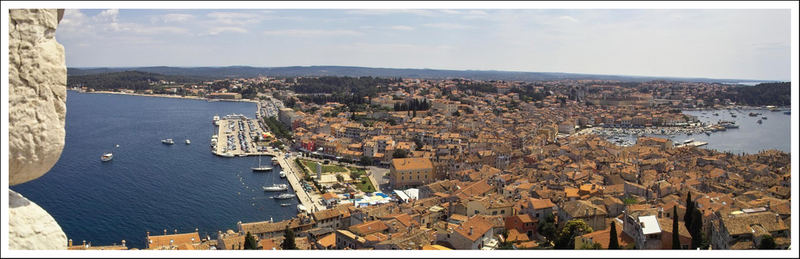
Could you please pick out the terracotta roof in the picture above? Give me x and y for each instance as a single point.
(603, 237)
(329, 196)
(541, 203)
(416, 163)
(479, 226)
(328, 241)
(369, 227)
(515, 236)
(582, 208)
(435, 247)
(268, 244)
(747, 223)
(177, 239)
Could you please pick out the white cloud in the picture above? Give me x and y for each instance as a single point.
(568, 18)
(402, 28)
(173, 18)
(218, 30)
(312, 33)
(233, 18)
(447, 26)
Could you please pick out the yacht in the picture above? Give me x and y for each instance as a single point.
(261, 168)
(106, 157)
(167, 141)
(282, 174)
(226, 154)
(284, 196)
(276, 187)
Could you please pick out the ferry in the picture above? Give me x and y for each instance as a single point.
(106, 157)
(276, 187)
(284, 196)
(167, 141)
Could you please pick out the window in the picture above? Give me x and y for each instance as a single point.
(494, 212)
(502, 211)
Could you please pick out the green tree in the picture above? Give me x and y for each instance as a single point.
(548, 227)
(767, 242)
(676, 242)
(400, 153)
(696, 231)
(687, 216)
(573, 228)
(250, 242)
(288, 239)
(613, 242)
(339, 178)
(365, 160)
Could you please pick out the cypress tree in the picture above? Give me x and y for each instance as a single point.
(288, 240)
(250, 242)
(613, 243)
(696, 230)
(676, 241)
(687, 216)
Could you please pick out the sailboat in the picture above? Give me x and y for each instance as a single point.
(261, 168)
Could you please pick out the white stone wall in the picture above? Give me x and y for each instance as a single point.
(37, 110)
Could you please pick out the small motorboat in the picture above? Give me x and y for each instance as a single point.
(168, 141)
(285, 204)
(106, 157)
(188, 142)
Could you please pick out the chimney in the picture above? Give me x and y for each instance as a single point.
(69, 242)
(470, 230)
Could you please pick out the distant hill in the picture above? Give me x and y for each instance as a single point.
(247, 71)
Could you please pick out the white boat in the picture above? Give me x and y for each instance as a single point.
(301, 208)
(216, 120)
(188, 142)
(284, 196)
(274, 161)
(285, 204)
(276, 187)
(261, 168)
(106, 157)
(688, 141)
(167, 141)
(226, 154)
(282, 174)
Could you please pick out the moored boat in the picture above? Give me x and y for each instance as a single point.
(168, 141)
(284, 196)
(276, 187)
(282, 174)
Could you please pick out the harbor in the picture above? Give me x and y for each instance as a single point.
(240, 136)
(737, 130)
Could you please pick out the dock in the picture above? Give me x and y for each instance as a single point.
(229, 126)
(294, 179)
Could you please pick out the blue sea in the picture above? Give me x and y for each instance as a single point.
(150, 186)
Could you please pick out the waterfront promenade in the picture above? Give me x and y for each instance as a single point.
(293, 175)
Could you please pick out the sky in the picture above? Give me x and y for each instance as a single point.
(711, 43)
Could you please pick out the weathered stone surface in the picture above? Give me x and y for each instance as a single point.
(30, 227)
(37, 93)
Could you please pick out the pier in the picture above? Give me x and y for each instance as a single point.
(293, 176)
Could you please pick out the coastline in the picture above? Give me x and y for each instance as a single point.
(168, 96)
